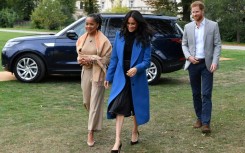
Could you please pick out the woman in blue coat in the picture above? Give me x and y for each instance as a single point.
(130, 58)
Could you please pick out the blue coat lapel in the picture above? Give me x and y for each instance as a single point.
(120, 50)
(135, 53)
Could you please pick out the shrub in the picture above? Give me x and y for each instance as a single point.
(48, 15)
(118, 8)
(7, 18)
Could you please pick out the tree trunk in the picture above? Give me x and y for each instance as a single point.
(186, 13)
(186, 10)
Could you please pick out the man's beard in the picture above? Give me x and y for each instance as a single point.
(198, 18)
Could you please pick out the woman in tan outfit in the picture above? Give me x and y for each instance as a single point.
(94, 50)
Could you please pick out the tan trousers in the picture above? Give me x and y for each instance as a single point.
(93, 99)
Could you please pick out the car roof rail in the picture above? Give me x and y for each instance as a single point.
(105, 13)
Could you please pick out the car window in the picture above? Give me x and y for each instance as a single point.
(80, 28)
(113, 26)
(162, 26)
(103, 24)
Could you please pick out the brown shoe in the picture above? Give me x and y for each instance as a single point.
(206, 129)
(198, 124)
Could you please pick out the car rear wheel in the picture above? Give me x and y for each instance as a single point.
(29, 68)
(153, 72)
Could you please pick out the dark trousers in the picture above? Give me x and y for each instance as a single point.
(202, 84)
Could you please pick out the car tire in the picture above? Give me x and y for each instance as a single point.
(153, 72)
(29, 68)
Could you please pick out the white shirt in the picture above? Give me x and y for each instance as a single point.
(199, 37)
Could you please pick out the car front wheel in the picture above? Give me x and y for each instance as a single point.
(153, 72)
(29, 68)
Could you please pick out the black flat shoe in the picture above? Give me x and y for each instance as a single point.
(117, 151)
(135, 142)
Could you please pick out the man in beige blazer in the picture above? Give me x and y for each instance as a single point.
(201, 46)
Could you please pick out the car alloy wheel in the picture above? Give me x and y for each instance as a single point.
(29, 68)
(153, 72)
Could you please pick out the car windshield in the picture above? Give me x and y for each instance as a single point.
(75, 24)
(80, 28)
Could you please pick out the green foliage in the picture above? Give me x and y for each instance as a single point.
(230, 16)
(91, 6)
(164, 7)
(25, 7)
(3, 4)
(118, 8)
(182, 23)
(22, 7)
(68, 8)
(48, 15)
(7, 17)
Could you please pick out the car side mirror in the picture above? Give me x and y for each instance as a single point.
(72, 35)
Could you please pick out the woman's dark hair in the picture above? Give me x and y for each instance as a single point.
(97, 18)
(143, 32)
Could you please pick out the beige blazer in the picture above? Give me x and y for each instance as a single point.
(212, 43)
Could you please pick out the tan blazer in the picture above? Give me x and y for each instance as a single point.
(104, 49)
(212, 43)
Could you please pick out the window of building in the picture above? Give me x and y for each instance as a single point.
(112, 3)
(81, 5)
(131, 3)
(102, 6)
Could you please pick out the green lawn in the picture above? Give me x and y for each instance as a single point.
(48, 117)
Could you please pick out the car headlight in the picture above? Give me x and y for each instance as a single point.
(11, 44)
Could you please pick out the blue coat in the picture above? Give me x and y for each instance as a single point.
(141, 58)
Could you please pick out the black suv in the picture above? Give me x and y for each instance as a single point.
(31, 58)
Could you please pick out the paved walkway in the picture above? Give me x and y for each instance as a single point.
(25, 31)
(233, 47)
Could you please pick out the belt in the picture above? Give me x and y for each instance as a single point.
(202, 60)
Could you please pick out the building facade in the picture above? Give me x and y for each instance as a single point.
(139, 5)
(106, 5)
